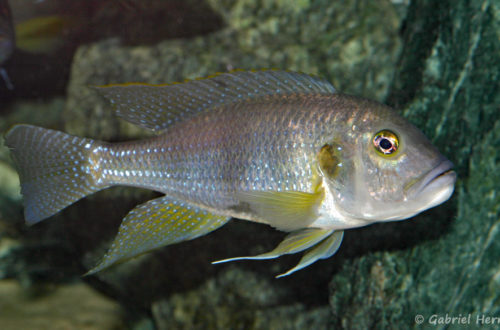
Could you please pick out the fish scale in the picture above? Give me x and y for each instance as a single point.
(207, 166)
(274, 147)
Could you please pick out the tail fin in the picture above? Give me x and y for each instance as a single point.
(55, 169)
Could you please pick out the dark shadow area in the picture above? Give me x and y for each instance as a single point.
(400, 235)
(133, 22)
(419, 32)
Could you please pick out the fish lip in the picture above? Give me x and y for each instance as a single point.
(440, 175)
(438, 172)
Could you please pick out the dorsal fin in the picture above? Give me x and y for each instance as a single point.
(156, 107)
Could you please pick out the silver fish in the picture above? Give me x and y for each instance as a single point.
(279, 148)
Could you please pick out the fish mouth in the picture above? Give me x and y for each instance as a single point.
(436, 186)
(439, 175)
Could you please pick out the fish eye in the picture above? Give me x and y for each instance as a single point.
(386, 142)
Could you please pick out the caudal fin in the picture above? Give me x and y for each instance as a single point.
(55, 169)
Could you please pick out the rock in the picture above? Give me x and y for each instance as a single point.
(237, 299)
(69, 306)
(446, 260)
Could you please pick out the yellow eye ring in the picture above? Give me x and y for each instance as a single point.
(386, 142)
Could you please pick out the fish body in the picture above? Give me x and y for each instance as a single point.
(279, 148)
(267, 145)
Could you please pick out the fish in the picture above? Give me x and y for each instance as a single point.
(7, 39)
(274, 147)
(43, 35)
(39, 35)
(7, 36)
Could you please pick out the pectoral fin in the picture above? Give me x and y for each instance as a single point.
(323, 250)
(159, 222)
(284, 210)
(293, 243)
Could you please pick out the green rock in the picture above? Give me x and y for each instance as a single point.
(237, 299)
(448, 84)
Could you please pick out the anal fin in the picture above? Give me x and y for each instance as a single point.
(156, 223)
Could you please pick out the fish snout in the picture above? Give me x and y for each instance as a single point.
(436, 186)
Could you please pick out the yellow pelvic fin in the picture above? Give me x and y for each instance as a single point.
(284, 210)
(323, 250)
(323, 243)
(293, 243)
(159, 222)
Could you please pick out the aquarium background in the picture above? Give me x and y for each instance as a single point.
(437, 62)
